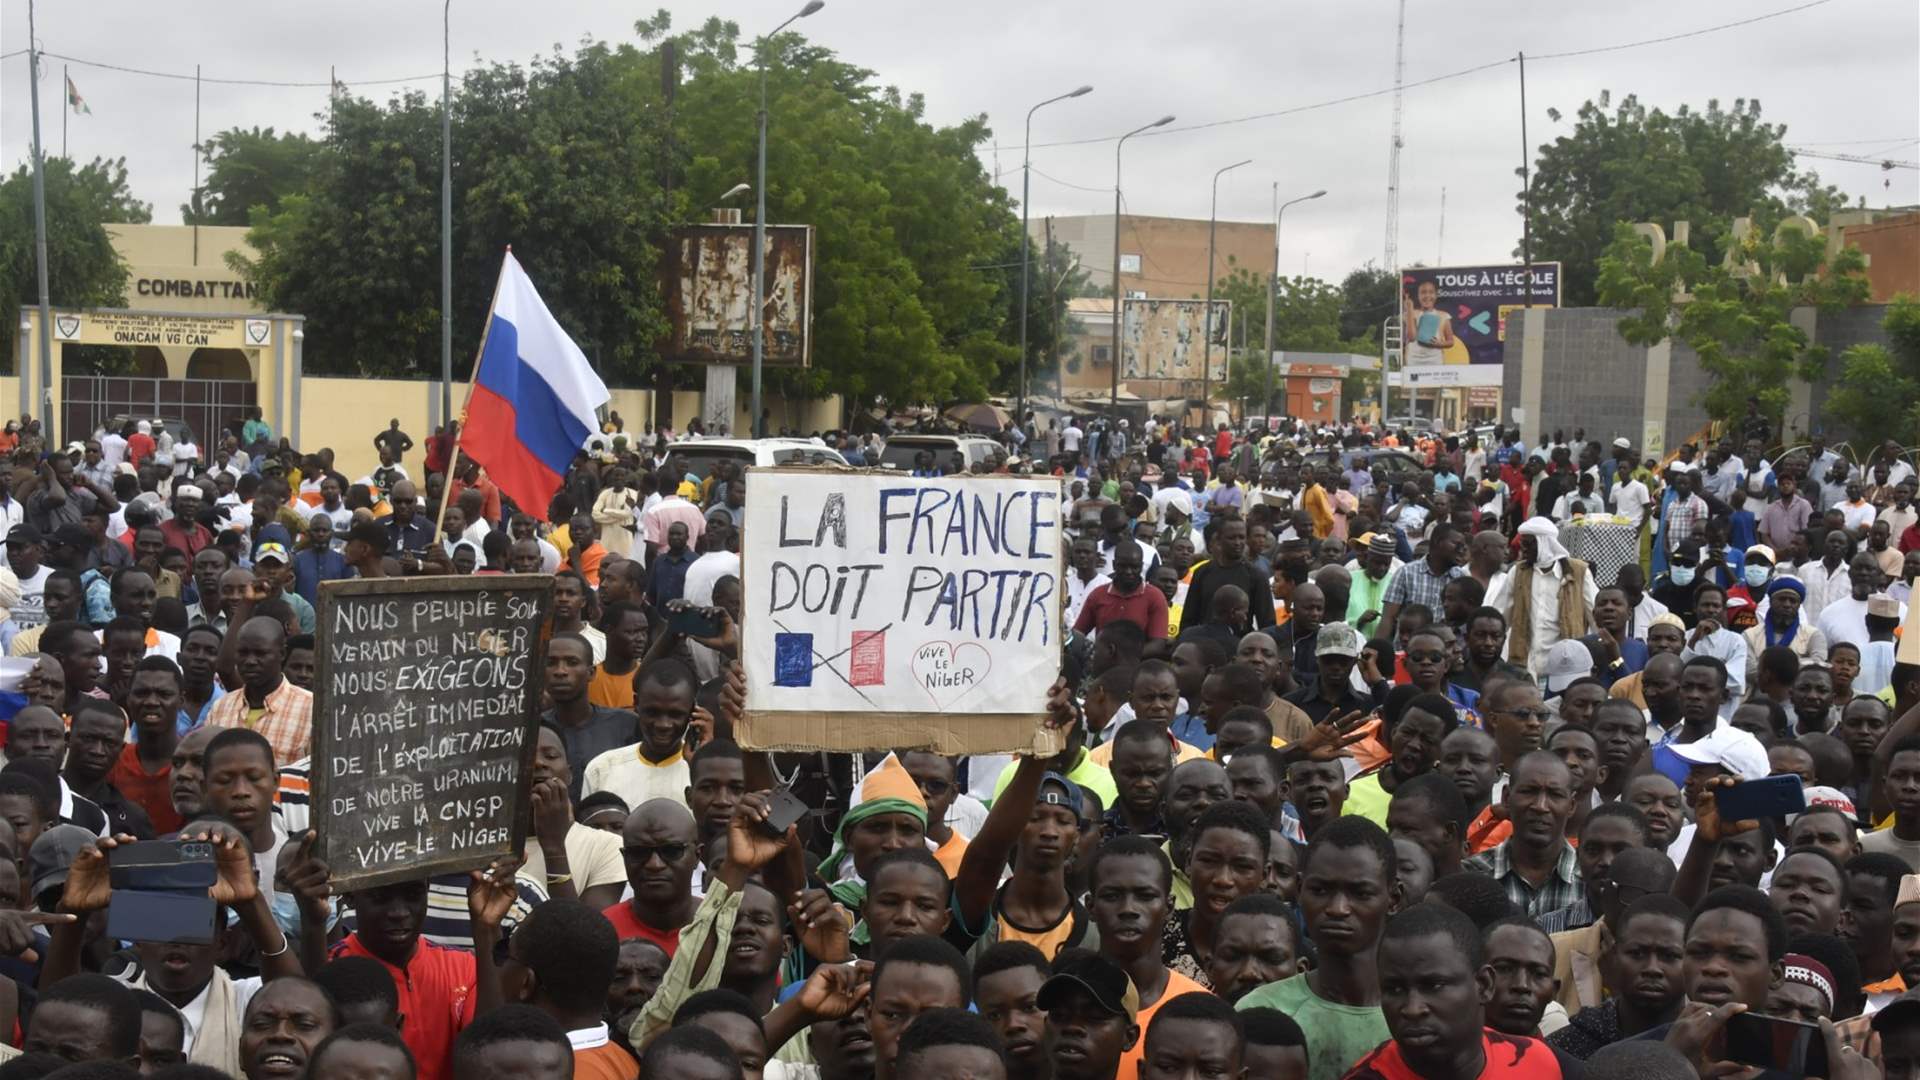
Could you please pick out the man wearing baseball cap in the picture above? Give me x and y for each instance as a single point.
(272, 567)
(1091, 1008)
(1331, 694)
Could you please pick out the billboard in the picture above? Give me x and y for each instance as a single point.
(1161, 339)
(1454, 318)
(709, 288)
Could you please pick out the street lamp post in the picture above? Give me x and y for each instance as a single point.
(754, 426)
(1206, 321)
(1273, 286)
(1026, 185)
(1114, 398)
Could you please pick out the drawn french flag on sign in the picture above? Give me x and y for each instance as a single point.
(534, 396)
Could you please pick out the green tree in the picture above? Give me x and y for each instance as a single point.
(248, 168)
(1738, 320)
(914, 297)
(1368, 296)
(556, 159)
(83, 269)
(1629, 163)
(1308, 316)
(1878, 393)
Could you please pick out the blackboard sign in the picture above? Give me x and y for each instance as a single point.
(426, 700)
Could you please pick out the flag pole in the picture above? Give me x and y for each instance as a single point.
(453, 459)
(66, 91)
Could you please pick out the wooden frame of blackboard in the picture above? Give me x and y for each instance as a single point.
(858, 732)
(452, 862)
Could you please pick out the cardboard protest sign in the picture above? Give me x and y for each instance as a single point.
(887, 611)
(426, 700)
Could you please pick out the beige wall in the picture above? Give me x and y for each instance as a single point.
(1173, 251)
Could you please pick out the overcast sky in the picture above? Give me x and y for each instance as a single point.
(1844, 76)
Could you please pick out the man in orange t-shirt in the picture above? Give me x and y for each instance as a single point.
(561, 960)
(1132, 935)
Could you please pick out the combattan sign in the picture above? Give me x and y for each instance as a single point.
(197, 289)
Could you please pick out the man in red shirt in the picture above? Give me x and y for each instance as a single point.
(470, 476)
(439, 987)
(1126, 596)
(140, 443)
(182, 531)
(144, 771)
(660, 850)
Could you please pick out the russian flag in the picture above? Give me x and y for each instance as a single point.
(534, 396)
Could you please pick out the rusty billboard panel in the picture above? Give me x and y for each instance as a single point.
(709, 288)
(1162, 339)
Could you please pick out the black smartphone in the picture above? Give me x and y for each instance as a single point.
(172, 917)
(1771, 1042)
(177, 865)
(1752, 800)
(694, 622)
(784, 809)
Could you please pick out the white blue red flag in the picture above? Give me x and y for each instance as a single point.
(534, 396)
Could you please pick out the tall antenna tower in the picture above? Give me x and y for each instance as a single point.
(1391, 263)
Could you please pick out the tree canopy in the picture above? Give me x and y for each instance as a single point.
(1630, 163)
(1878, 392)
(1737, 318)
(248, 168)
(586, 162)
(83, 269)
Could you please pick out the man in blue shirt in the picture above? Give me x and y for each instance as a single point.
(667, 577)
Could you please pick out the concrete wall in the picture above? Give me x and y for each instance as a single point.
(1892, 248)
(1581, 374)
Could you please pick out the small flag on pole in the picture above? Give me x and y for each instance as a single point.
(534, 396)
(75, 102)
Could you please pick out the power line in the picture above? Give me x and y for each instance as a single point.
(1462, 73)
(1885, 163)
(187, 77)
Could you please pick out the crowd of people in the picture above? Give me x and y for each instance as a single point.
(1358, 776)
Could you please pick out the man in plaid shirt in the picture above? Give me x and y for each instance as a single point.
(267, 703)
(1423, 581)
(1686, 511)
(1536, 866)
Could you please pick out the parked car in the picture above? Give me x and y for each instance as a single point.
(178, 428)
(1390, 468)
(972, 449)
(700, 455)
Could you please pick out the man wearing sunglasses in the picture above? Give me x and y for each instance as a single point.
(658, 848)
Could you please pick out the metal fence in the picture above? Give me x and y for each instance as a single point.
(205, 406)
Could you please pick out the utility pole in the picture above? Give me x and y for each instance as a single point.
(40, 238)
(446, 212)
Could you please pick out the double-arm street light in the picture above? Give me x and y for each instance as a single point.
(760, 219)
(1206, 322)
(1114, 399)
(1273, 287)
(1026, 185)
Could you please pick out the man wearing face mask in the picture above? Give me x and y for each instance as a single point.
(1675, 587)
(1756, 570)
(1547, 596)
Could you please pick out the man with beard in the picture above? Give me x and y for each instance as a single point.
(1349, 885)
(1486, 636)
(1433, 984)
(1377, 566)
(1538, 868)
(1845, 618)
(1646, 966)
(1006, 985)
(1229, 566)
